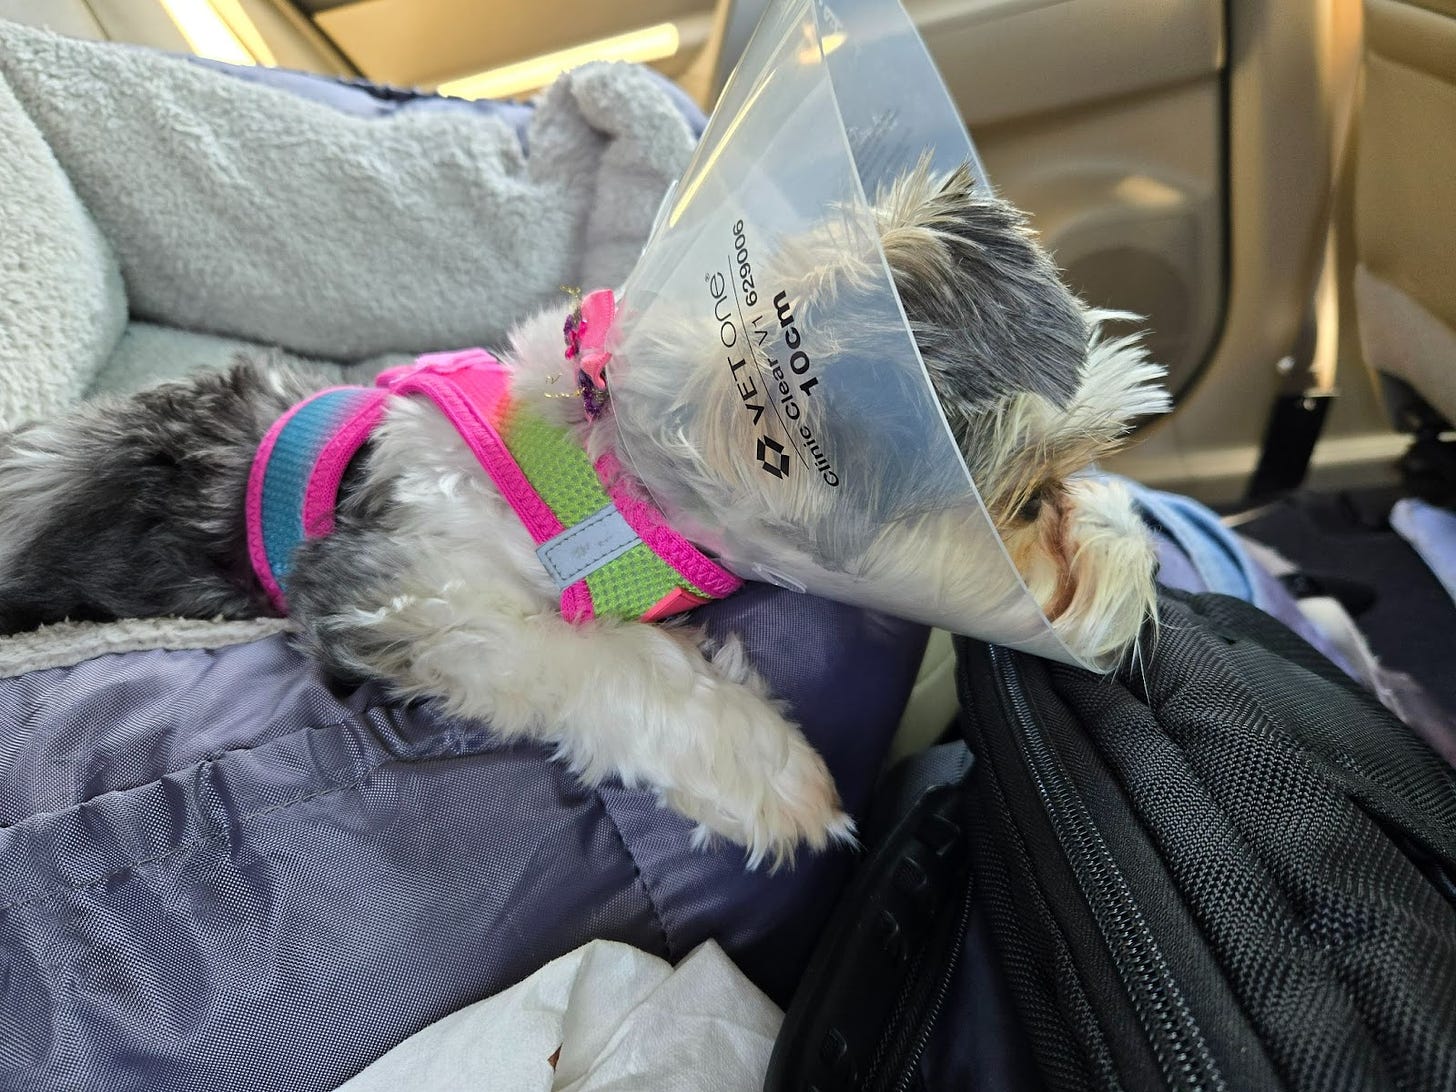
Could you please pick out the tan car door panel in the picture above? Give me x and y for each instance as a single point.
(1005, 59)
(70, 17)
(1104, 118)
(1405, 215)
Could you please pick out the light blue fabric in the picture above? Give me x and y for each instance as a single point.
(1431, 531)
(1197, 553)
(1213, 551)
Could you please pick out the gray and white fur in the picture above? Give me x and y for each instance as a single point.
(134, 507)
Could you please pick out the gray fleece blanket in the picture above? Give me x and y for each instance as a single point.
(158, 215)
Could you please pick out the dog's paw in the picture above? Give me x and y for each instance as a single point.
(800, 805)
(769, 795)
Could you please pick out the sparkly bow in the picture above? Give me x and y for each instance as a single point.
(586, 337)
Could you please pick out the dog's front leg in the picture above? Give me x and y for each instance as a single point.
(647, 703)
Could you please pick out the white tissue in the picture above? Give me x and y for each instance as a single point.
(621, 1019)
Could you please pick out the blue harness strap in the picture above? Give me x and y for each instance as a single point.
(296, 475)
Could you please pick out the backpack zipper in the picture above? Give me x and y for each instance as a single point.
(1177, 1043)
(931, 1014)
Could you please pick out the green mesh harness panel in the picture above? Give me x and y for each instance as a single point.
(628, 586)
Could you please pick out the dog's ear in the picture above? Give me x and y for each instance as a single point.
(1027, 445)
(1119, 385)
(910, 222)
(985, 303)
(915, 211)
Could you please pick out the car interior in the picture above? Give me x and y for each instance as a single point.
(1243, 175)
(1265, 185)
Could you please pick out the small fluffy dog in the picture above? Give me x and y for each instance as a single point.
(134, 508)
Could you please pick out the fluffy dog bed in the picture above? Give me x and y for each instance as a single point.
(217, 868)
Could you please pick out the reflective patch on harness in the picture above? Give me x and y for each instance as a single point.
(583, 549)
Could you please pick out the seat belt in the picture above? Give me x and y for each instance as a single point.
(1307, 385)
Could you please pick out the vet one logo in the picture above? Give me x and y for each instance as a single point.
(772, 458)
(789, 385)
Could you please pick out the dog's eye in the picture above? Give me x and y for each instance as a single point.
(1028, 512)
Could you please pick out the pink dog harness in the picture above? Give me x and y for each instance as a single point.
(604, 545)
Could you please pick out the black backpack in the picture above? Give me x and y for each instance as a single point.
(1226, 868)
